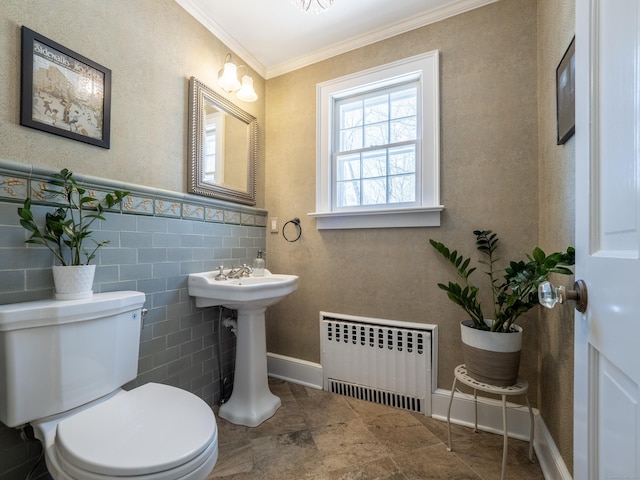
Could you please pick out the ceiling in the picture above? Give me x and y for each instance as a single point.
(274, 37)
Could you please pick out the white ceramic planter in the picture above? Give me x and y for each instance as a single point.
(73, 282)
(491, 357)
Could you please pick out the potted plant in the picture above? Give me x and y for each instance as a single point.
(491, 345)
(66, 233)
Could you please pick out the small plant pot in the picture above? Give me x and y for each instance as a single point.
(73, 282)
(491, 357)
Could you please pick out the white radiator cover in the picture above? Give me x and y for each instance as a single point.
(383, 361)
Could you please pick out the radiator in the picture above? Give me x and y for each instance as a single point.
(381, 361)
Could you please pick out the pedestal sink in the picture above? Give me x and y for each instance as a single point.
(251, 402)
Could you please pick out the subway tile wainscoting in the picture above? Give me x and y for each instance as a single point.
(156, 239)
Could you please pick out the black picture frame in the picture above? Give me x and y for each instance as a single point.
(63, 92)
(566, 94)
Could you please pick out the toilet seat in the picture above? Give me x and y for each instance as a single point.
(153, 431)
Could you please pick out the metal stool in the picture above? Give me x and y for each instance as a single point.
(520, 388)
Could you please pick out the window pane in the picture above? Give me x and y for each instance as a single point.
(348, 194)
(402, 189)
(374, 191)
(403, 103)
(209, 174)
(402, 160)
(403, 130)
(376, 135)
(348, 167)
(351, 114)
(374, 164)
(350, 139)
(376, 109)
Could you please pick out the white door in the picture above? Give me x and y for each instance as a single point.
(607, 336)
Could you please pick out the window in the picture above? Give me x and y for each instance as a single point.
(378, 149)
(375, 148)
(213, 148)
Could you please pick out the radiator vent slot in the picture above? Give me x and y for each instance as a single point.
(381, 361)
(374, 395)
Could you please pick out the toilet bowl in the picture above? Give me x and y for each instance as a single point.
(153, 432)
(62, 367)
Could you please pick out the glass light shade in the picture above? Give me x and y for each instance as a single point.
(246, 92)
(228, 77)
(313, 6)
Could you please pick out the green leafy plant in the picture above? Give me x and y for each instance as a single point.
(514, 289)
(68, 227)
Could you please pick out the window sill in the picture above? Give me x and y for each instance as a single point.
(391, 218)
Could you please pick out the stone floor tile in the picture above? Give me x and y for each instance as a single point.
(369, 409)
(233, 459)
(439, 428)
(486, 460)
(287, 456)
(381, 469)
(400, 432)
(435, 462)
(347, 444)
(322, 410)
(229, 432)
(281, 389)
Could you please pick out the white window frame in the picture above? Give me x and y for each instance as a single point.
(216, 121)
(425, 69)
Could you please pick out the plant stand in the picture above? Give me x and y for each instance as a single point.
(520, 388)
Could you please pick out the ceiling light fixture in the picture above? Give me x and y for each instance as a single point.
(228, 81)
(313, 6)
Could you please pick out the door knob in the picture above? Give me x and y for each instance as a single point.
(549, 295)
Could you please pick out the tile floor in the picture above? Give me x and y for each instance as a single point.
(317, 435)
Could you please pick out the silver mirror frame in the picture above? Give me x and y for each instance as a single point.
(198, 93)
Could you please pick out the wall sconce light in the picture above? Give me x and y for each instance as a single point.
(228, 81)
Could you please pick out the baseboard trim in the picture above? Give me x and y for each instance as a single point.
(552, 465)
(489, 413)
(295, 370)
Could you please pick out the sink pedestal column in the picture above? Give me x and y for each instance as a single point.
(251, 401)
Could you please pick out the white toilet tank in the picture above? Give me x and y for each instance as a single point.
(56, 355)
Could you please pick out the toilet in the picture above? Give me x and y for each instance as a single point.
(62, 367)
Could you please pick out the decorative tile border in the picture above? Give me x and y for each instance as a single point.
(138, 204)
(13, 187)
(232, 217)
(247, 219)
(17, 181)
(194, 212)
(212, 214)
(165, 207)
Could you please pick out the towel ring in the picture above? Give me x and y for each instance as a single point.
(296, 222)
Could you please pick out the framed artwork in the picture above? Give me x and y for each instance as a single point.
(63, 92)
(566, 94)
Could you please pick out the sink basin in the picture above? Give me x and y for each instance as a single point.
(251, 401)
(237, 293)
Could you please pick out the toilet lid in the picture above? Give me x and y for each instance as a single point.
(146, 430)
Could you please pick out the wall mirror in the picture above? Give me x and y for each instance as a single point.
(223, 147)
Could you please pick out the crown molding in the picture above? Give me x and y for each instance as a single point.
(452, 9)
(225, 37)
(432, 16)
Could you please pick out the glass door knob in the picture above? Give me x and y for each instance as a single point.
(549, 295)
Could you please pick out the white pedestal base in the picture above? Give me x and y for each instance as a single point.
(251, 402)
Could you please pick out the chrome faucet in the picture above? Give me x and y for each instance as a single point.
(221, 275)
(243, 271)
